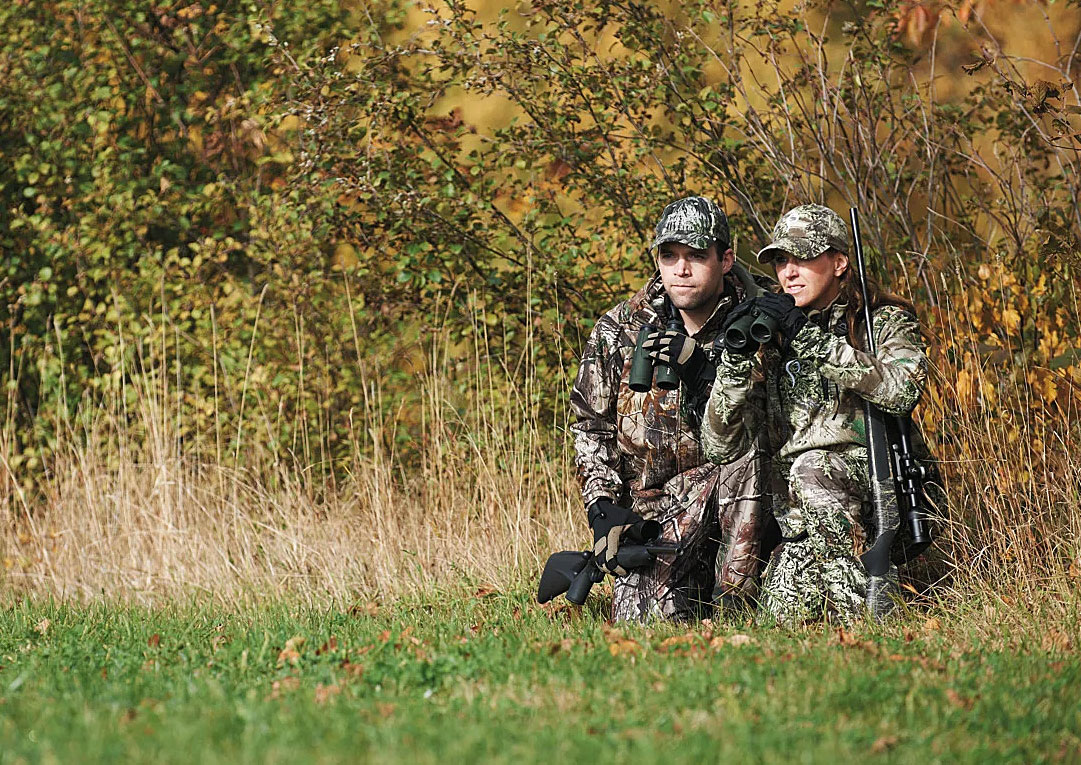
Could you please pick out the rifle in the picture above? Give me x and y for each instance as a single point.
(896, 476)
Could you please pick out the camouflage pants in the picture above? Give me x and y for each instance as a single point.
(715, 512)
(816, 571)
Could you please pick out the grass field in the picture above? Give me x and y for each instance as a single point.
(495, 677)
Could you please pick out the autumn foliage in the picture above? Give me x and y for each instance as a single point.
(336, 253)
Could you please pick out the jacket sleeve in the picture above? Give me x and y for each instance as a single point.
(593, 404)
(892, 379)
(735, 414)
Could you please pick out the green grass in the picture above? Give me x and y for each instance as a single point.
(498, 678)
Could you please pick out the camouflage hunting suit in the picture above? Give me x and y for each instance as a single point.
(642, 450)
(810, 402)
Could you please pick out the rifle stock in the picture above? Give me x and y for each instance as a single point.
(575, 573)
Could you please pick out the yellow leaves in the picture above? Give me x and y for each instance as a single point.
(1010, 319)
(191, 12)
(963, 385)
(290, 122)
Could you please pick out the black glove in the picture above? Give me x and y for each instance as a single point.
(608, 521)
(680, 352)
(738, 312)
(790, 319)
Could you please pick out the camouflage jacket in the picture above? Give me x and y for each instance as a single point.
(629, 446)
(812, 396)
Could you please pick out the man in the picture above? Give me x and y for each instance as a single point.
(638, 453)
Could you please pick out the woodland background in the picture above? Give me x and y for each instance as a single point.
(292, 295)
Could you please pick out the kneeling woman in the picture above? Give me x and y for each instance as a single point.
(807, 390)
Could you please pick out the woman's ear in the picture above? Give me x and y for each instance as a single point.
(840, 263)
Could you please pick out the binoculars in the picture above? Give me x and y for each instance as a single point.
(748, 332)
(644, 374)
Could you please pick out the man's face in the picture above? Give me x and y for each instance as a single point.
(812, 283)
(692, 278)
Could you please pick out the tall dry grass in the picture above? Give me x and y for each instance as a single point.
(129, 511)
(482, 496)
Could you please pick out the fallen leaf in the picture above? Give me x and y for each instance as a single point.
(883, 744)
(154, 640)
(371, 608)
(328, 647)
(485, 592)
(932, 625)
(351, 669)
(738, 640)
(284, 686)
(563, 646)
(42, 627)
(957, 699)
(291, 652)
(846, 638)
(624, 648)
(323, 693)
(678, 641)
(1056, 641)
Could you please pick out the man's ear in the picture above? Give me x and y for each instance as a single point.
(728, 259)
(840, 263)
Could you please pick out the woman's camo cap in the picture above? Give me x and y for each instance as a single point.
(694, 221)
(807, 231)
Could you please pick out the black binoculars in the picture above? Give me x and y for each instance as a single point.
(644, 374)
(748, 332)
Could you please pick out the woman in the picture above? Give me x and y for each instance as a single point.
(807, 389)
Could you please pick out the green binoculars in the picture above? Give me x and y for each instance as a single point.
(748, 332)
(644, 373)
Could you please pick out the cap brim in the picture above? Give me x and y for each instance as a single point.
(801, 248)
(689, 238)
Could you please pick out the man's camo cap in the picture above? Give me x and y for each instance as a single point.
(693, 221)
(807, 231)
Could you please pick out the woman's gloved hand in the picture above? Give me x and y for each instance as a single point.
(781, 307)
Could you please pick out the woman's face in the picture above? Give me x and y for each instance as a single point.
(812, 283)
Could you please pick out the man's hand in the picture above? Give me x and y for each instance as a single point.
(790, 319)
(678, 351)
(608, 521)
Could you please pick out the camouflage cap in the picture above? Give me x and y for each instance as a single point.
(807, 231)
(694, 221)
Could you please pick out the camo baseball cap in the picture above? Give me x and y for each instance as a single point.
(694, 221)
(807, 231)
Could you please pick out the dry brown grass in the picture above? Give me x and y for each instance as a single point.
(480, 500)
